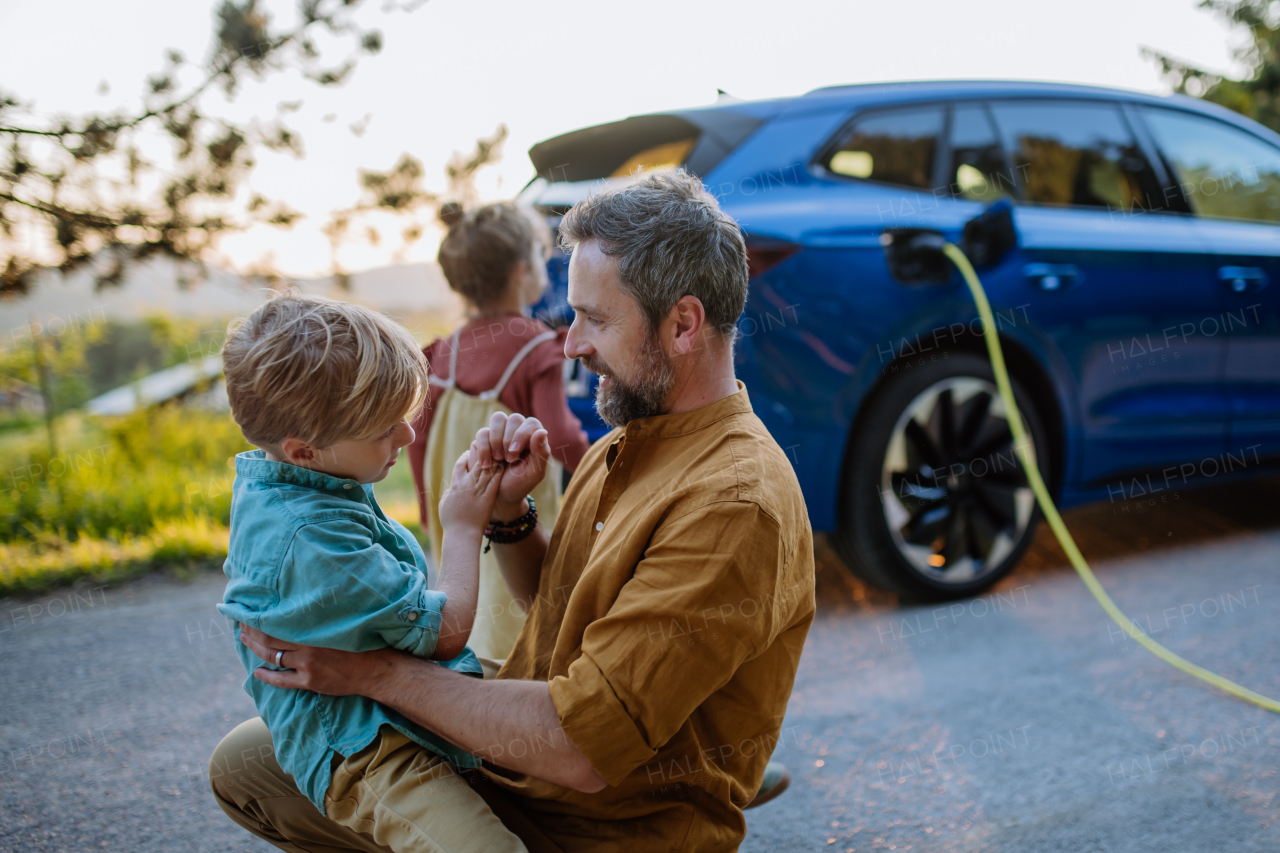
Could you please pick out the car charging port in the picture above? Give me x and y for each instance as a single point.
(915, 257)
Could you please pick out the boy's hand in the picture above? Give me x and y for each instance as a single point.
(469, 500)
(522, 444)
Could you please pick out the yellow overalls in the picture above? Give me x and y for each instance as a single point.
(454, 423)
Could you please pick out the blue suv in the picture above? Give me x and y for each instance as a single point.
(1135, 310)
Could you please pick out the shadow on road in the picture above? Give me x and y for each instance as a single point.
(1104, 531)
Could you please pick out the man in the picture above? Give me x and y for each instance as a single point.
(667, 609)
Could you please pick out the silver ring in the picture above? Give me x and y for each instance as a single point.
(279, 655)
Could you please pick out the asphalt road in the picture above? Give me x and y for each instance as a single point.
(1020, 721)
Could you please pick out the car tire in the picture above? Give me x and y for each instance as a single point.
(936, 504)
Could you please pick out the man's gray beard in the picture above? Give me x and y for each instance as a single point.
(621, 403)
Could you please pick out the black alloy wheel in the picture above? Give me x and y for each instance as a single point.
(937, 504)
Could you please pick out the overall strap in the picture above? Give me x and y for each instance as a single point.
(453, 366)
(492, 393)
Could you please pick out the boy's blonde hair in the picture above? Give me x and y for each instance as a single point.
(320, 370)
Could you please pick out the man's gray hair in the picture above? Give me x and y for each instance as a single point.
(671, 240)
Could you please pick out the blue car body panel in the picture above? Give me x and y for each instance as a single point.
(1133, 390)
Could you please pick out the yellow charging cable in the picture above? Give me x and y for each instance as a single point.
(1051, 512)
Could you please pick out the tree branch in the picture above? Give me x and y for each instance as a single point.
(33, 132)
(186, 212)
(92, 219)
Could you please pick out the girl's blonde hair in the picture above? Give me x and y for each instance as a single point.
(320, 370)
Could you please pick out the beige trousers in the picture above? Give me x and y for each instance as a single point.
(391, 797)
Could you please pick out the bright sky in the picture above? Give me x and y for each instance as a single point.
(453, 69)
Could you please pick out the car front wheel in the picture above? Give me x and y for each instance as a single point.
(936, 503)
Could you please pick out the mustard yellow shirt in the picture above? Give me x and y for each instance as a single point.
(672, 607)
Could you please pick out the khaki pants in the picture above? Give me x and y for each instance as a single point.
(391, 797)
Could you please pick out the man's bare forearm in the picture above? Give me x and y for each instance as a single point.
(513, 724)
(521, 563)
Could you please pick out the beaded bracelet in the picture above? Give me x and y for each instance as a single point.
(511, 532)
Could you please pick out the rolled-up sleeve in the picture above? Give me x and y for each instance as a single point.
(599, 724)
(366, 600)
(705, 598)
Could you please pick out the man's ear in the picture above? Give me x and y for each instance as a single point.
(690, 317)
(298, 452)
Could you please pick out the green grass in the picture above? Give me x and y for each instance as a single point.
(181, 548)
(130, 495)
(121, 496)
(122, 476)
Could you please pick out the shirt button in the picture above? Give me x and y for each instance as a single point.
(599, 525)
(346, 485)
(412, 617)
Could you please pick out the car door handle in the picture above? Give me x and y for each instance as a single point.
(1052, 276)
(1243, 279)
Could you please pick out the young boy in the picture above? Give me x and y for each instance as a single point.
(326, 389)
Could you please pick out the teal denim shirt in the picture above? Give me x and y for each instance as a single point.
(313, 560)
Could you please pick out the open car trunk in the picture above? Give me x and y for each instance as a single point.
(570, 165)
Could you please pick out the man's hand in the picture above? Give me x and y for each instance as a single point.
(522, 443)
(471, 713)
(328, 671)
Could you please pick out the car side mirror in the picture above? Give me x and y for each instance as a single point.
(915, 257)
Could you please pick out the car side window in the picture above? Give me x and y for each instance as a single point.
(1076, 154)
(896, 147)
(1221, 170)
(978, 169)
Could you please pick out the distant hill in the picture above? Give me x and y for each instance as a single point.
(153, 287)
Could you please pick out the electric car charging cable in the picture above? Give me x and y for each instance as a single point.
(1050, 511)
